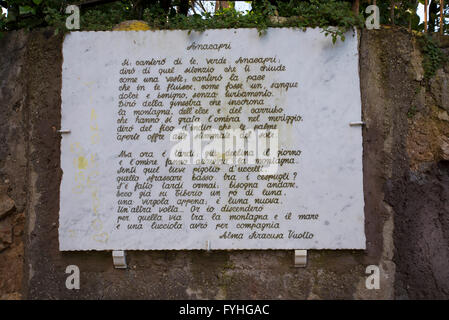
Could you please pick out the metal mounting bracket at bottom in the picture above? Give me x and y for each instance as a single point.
(119, 259)
(300, 258)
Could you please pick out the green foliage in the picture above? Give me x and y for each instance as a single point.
(433, 57)
(23, 14)
(105, 17)
(31, 14)
(411, 112)
(333, 17)
(320, 13)
(54, 18)
(2, 23)
(222, 19)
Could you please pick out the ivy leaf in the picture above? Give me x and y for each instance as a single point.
(11, 17)
(37, 2)
(26, 10)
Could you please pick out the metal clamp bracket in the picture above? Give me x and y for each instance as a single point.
(300, 258)
(357, 123)
(119, 259)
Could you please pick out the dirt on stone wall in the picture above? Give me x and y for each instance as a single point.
(13, 163)
(422, 218)
(406, 188)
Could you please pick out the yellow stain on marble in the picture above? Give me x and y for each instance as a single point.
(82, 162)
(132, 25)
(93, 115)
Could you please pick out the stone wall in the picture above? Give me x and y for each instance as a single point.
(406, 185)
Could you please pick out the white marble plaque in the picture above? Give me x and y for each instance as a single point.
(131, 101)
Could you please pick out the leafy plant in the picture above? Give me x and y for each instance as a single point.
(333, 17)
(222, 19)
(106, 16)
